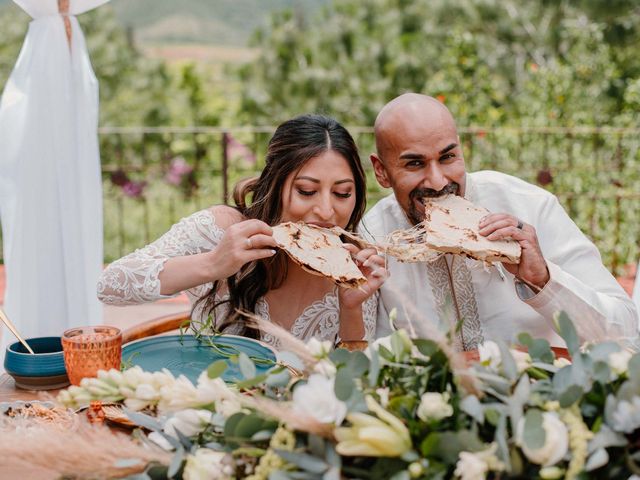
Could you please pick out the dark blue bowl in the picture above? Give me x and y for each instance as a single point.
(48, 360)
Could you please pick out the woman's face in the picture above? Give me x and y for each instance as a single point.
(322, 192)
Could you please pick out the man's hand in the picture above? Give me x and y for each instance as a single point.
(532, 267)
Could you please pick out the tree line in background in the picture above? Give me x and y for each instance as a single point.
(495, 63)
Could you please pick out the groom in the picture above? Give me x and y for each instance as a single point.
(419, 155)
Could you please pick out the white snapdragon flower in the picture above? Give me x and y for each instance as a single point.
(434, 406)
(188, 422)
(317, 399)
(619, 362)
(207, 464)
(626, 416)
(318, 348)
(179, 395)
(556, 442)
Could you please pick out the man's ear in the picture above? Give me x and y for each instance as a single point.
(380, 171)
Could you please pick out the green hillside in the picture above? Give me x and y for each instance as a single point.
(213, 22)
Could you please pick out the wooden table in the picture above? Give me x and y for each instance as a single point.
(10, 393)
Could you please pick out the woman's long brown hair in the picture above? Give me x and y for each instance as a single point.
(293, 144)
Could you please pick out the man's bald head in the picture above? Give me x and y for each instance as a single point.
(405, 111)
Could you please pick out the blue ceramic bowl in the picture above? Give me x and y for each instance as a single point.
(48, 360)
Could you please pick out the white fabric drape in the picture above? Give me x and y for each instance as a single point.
(636, 290)
(50, 182)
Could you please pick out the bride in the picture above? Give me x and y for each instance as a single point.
(226, 257)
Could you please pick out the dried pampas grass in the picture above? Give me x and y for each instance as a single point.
(32, 449)
(288, 341)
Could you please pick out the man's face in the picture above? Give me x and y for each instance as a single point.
(418, 161)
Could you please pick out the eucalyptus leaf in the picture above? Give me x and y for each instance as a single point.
(374, 367)
(472, 407)
(358, 363)
(247, 367)
(344, 384)
(292, 360)
(332, 474)
(634, 369)
(340, 356)
(534, 434)
(217, 368)
(597, 459)
(508, 363)
(304, 461)
(232, 422)
(426, 347)
(278, 377)
(567, 331)
(143, 420)
(176, 463)
(570, 396)
(184, 440)
(251, 382)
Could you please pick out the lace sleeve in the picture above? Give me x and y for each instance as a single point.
(134, 278)
(369, 316)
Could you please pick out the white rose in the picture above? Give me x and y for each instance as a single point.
(619, 362)
(317, 399)
(490, 354)
(207, 464)
(188, 422)
(471, 466)
(317, 348)
(556, 441)
(434, 406)
(212, 390)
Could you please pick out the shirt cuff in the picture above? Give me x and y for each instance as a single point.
(544, 296)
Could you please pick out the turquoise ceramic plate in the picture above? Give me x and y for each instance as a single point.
(185, 355)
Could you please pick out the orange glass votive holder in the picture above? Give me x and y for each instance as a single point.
(89, 349)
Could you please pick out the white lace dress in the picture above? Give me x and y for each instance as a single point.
(134, 279)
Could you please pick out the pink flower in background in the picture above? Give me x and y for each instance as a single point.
(237, 149)
(134, 189)
(178, 168)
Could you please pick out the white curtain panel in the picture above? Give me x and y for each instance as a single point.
(636, 291)
(50, 182)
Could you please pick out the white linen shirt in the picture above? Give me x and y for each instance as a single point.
(486, 297)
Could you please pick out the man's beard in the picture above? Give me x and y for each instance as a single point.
(420, 193)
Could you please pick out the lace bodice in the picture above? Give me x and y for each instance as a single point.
(134, 279)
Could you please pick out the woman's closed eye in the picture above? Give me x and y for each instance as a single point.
(306, 193)
(342, 194)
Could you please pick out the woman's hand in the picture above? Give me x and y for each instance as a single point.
(242, 243)
(373, 268)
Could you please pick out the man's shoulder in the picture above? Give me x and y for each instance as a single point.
(382, 217)
(497, 182)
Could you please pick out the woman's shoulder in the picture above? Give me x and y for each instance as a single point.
(224, 215)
